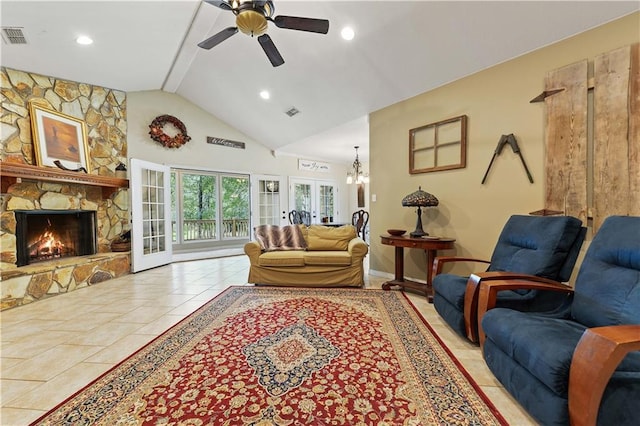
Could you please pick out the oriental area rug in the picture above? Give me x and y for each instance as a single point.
(287, 356)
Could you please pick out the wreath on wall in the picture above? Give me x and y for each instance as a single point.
(157, 131)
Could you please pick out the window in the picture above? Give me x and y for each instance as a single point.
(209, 208)
(235, 206)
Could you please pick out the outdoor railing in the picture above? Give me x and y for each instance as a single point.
(205, 229)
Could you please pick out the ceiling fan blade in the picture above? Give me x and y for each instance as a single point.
(218, 38)
(302, 24)
(270, 49)
(219, 3)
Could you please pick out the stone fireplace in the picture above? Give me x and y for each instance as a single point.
(34, 208)
(44, 195)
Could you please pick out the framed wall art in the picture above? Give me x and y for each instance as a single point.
(59, 140)
(438, 146)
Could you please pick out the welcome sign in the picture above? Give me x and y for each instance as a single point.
(225, 142)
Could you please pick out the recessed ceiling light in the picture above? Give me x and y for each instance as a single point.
(84, 40)
(265, 95)
(347, 33)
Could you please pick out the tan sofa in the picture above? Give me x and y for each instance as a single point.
(333, 258)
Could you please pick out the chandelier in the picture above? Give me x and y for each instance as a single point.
(357, 174)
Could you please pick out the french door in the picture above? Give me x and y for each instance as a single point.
(269, 200)
(318, 197)
(150, 215)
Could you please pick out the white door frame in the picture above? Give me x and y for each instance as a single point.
(255, 199)
(151, 243)
(315, 196)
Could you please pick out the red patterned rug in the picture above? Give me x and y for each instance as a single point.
(278, 356)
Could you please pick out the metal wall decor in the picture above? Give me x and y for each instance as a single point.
(225, 142)
(438, 146)
(511, 141)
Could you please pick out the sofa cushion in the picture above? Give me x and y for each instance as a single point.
(276, 238)
(329, 258)
(329, 238)
(281, 258)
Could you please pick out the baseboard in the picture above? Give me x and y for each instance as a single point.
(391, 276)
(209, 254)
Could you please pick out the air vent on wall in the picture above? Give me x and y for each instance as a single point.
(292, 111)
(13, 35)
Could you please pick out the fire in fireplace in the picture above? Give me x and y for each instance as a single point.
(52, 234)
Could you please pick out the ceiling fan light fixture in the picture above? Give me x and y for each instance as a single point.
(251, 22)
(252, 18)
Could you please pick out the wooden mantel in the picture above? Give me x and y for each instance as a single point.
(11, 172)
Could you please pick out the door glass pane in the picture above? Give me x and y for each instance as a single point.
(198, 207)
(174, 231)
(235, 207)
(269, 202)
(302, 194)
(152, 211)
(326, 199)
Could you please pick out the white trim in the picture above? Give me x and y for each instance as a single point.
(209, 254)
(392, 276)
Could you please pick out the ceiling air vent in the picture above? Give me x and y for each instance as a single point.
(13, 35)
(292, 111)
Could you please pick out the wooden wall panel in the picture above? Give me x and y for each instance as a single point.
(566, 141)
(634, 132)
(615, 165)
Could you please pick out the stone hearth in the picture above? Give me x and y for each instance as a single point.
(34, 282)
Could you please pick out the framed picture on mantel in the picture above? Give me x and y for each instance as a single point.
(58, 137)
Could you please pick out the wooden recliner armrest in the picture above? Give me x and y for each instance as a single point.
(596, 357)
(439, 262)
(471, 318)
(489, 291)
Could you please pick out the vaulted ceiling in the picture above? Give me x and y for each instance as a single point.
(400, 49)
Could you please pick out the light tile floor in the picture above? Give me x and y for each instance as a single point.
(54, 347)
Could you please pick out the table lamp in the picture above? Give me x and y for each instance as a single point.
(419, 199)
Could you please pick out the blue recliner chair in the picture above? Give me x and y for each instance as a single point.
(580, 366)
(543, 246)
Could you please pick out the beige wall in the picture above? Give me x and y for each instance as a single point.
(496, 102)
(143, 107)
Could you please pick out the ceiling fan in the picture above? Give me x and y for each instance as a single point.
(251, 19)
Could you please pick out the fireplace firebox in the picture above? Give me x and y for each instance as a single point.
(43, 235)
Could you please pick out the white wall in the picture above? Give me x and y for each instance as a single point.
(143, 107)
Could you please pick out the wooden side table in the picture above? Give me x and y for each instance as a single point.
(430, 246)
